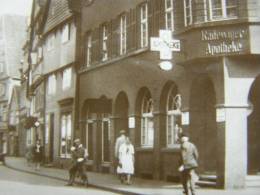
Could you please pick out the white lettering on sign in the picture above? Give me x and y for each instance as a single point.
(223, 48)
(224, 41)
(165, 44)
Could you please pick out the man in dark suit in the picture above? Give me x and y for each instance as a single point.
(78, 155)
(189, 162)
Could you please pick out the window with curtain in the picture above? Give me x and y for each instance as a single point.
(65, 138)
(144, 25)
(104, 43)
(123, 34)
(51, 84)
(147, 124)
(66, 78)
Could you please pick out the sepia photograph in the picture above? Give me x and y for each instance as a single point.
(130, 97)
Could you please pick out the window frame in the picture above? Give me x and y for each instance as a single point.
(65, 34)
(88, 49)
(104, 42)
(66, 83)
(146, 117)
(188, 18)
(105, 119)
(169, 10)
(224, 10)
(144, 25)
(52, 83)
(123, 33)
(67, 153)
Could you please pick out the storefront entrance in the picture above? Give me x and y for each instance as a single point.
(203, 126)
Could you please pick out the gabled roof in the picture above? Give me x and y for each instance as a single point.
(56, 13)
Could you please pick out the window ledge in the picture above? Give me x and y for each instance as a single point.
(144, 149)
(172, 149)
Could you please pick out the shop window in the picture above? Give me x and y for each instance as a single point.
(65, 138)
(147, 124)
(105, 140)
(169, 15)
(221, 9)
(187, 12)
(173, 118)
(66, 78)
(123, 34)
(144, 25)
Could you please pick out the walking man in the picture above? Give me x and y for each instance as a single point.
(189, 162)
(78, 155)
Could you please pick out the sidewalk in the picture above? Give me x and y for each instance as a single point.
(111, 183)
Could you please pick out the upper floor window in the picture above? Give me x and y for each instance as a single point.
(144, 25)
(123, 34)
(51, 84)
(50, 42)
(147, 125)
(169, 14)
(65, 142)
(66, 78)
(220, 9)
(88, 49)
(1, 67)
(65, 36)
(104, 43)
(187, 12)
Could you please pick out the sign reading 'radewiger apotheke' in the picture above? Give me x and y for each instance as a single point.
(225, 41)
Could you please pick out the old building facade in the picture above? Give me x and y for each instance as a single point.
(10, 56)
(216, 74)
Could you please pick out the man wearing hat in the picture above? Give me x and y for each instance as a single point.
(119, 141)
(78, 155)
(189, 162)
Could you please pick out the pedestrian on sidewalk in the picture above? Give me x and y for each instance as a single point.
(189, 162)
(126, 160)
(79, 156)
(37, 152)
(119, 141)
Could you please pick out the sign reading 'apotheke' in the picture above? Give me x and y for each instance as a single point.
(225, 41)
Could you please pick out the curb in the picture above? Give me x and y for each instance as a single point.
(65, 180)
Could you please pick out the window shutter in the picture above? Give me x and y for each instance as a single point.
(162, 14)
(156, 17)
(131, 34)
(115, 37)
(109, 39)
(138, 27)
(95, 46)
(150, 19)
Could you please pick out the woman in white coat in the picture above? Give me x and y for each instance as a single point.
(126, 160)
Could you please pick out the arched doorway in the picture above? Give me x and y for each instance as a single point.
(253, 137)
(203, 126)
(121, 112)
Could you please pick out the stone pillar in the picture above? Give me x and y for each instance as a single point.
(157, 146)
(233, 116)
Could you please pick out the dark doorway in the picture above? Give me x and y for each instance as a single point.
(51, 137)
(121, 113)
(203, 126)
(254, 129)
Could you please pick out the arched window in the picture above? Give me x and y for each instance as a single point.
(173, 115)
(147, 128)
